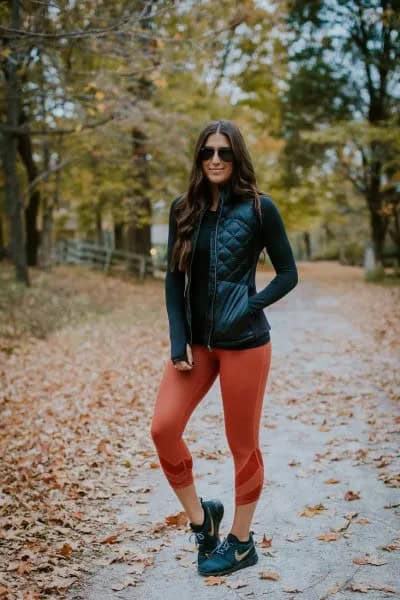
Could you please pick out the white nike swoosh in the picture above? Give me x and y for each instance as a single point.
(239, 556)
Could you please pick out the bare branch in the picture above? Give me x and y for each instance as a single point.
(82, 33)
(24, 129)
(43, 175)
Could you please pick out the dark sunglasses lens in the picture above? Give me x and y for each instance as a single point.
(206, 153)
(225, 154)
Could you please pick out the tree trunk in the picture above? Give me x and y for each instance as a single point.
(1, 236)
(14, 204)
(378, 230)
(139, 231)
(46, 245)
(99, 224)
(378, 220)
(307, 244)
(119, 236)
(46, 238)
(32, 208)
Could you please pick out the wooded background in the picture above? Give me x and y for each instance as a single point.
(101, 104)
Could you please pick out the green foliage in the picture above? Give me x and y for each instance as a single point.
(376, 275)
(129, 96)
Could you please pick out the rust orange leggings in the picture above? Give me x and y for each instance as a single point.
(243, 377)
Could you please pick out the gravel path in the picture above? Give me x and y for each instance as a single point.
(328, 437)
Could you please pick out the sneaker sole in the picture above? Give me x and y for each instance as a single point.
(248, 562)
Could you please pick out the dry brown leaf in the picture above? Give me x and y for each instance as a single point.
(66, 549)
(179, 519)
(364, 587)
(128, 581)
(369, 560)
(214, 580)
(270, 575)
(266, 542)
(311, 511)
(111, 539)
(349, 495)
(363, 521)
(238, 583)
(329, 537)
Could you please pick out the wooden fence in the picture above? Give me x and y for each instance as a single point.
(107, 258)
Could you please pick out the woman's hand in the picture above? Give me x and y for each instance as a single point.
(183, 365)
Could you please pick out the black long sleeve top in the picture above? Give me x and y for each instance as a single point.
(279, 250)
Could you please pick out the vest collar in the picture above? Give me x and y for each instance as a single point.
(225, 191)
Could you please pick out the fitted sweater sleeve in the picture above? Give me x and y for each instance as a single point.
(280, 252)
(174, 296)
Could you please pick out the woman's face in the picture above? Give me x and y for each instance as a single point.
(215, 169)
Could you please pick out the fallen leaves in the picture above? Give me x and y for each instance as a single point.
(178, 520)
(128, 581)
(66, 550)
(236, 584)
(369, 560)
(272, 575)
(4, 592)
(73, 406)
(311, 511)
(266, 542)
(365, 587)
(350, 495)
(392, 547)
(111, 539)
(70, 407)
(214, 580)
(329, 537)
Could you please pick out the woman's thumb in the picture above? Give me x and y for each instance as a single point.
(189, 354)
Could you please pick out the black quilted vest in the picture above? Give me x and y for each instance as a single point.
(235, 247)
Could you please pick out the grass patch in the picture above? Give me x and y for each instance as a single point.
(55, 299)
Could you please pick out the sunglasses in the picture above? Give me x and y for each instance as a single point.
(225, 153)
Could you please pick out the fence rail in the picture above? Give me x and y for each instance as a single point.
(107, 258)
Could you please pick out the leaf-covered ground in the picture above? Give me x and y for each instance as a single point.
(85, 511)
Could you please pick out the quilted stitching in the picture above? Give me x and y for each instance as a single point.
(235, 249)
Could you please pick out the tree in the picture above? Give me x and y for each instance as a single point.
(342, 102)
(12, 59)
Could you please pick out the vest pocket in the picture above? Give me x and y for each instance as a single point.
(232, 320)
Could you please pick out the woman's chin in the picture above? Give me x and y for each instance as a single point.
(218, 179)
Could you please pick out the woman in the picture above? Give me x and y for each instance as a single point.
(217, 326)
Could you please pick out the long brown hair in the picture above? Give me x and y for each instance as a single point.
(189, 206)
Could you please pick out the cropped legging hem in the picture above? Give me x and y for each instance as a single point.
(243, 377)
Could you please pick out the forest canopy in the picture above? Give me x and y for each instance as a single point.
(101, 103)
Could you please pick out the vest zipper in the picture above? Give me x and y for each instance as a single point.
(215, 272)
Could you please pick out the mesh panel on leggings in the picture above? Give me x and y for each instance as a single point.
(249, 479)
(180, 474)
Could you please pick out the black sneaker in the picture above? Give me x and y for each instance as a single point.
(207, 535)
(230, 555)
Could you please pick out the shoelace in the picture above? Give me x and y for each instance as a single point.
(223, 546)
